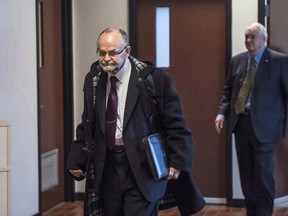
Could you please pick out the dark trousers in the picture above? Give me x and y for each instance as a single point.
(255, 161)
(121, 195)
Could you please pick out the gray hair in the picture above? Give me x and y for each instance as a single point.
(110, 29)
(261, 29)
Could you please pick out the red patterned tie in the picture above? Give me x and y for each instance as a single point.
(111, 113)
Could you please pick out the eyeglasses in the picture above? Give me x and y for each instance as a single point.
(111, 53)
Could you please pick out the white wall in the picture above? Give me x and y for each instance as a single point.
(244, 12)
(18, 99)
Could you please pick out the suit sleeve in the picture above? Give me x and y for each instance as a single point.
(284, 76)
(179, 137)
(225, 99)
(77, 156)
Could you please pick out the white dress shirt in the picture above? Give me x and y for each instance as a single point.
(122, 87)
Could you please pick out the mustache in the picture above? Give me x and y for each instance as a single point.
(109, 63)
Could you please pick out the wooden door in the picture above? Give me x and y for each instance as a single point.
(277, 40)
(198, 68)
(50, 91)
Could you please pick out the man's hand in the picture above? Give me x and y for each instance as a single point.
(219, 121)
(173, 173)
(77, 173)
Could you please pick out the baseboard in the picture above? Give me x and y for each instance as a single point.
(215, 200)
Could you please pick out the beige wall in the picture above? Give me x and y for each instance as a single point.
(244, 12)
(18, 100)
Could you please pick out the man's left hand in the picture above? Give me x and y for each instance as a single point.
(173, 173)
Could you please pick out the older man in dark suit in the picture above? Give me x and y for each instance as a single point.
(254, 103)
(120, 169)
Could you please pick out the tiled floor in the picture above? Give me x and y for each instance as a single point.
(75, 209)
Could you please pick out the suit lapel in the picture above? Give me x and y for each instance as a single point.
(262, 67)
(101, 100)
(132, 95)
(241, 72)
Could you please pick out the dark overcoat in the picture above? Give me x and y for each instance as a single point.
(89, 149)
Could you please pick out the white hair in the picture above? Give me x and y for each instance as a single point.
(261, 29)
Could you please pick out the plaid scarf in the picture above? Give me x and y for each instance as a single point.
(93, 205)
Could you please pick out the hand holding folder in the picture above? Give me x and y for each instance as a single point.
(154, 146)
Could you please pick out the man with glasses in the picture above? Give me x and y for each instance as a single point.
(119, 168)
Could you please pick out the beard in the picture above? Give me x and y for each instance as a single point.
(109, 67)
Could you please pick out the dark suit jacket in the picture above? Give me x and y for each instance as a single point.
(269, 94)
(92, 129)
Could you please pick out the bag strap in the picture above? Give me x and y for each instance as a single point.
(148, 101)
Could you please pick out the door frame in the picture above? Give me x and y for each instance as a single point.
(67, 47)
(66, 9)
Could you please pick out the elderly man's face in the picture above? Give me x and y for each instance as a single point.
(254, 41)
(112, 51)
